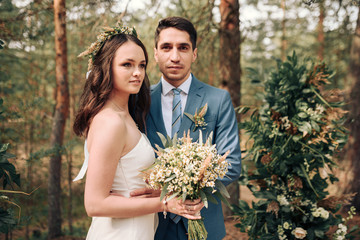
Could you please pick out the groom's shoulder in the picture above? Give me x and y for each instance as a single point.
(154, 86)
(213, 90)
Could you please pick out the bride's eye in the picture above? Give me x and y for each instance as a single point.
(126, 64)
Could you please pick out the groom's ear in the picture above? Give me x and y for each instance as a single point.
(194, 55)
(156, 54)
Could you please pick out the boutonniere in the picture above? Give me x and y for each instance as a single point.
(198, 117)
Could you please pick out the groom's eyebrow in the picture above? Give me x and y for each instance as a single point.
(166, 44)
(184, 45)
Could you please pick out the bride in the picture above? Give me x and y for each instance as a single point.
(111, 116)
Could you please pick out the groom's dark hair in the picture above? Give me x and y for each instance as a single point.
(179, 23)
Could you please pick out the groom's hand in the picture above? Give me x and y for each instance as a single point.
(193, 206)
(195, 202)
(145, 193)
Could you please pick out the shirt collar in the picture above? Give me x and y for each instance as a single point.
(167, 87)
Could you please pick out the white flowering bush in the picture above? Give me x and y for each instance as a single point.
(294, 136)
(189, 170)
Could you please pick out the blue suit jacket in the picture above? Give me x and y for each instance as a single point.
(221, 120)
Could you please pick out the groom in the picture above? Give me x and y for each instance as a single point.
(175, 51)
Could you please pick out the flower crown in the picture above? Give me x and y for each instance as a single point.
(107, 34)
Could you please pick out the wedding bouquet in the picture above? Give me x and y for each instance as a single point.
(189, 170)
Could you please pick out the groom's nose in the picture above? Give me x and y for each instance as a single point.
(175, 56)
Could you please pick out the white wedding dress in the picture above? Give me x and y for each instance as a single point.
(126, 179)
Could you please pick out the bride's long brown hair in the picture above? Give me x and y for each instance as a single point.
(99, 85)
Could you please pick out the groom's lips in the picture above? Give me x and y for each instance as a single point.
(175, 67)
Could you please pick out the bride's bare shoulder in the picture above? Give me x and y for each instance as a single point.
(108, 121)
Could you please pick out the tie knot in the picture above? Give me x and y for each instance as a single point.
(176, 91)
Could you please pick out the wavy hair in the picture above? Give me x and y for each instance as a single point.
(99, 84)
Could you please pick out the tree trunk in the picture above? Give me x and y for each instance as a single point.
(211, 69)
(320, 36)
(283, 27)
(61, 113)
(70, 178)
(29, 201)
(353, 149)
(230, 70)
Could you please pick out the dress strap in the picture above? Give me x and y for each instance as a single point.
(85, 164)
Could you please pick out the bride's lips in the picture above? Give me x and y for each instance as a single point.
(136, 81)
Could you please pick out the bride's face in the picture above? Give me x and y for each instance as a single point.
(128, 68)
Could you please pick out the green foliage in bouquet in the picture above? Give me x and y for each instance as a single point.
(189, 170)
(294, 137)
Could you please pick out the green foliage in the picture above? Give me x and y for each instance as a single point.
(294, 135)
(7, 170)
(8, 177)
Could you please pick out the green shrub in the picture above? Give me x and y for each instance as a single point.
(294, 138)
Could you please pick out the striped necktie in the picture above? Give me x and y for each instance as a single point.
(175, 126)
(176, 112)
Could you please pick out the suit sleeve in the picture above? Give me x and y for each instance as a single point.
(226, 137)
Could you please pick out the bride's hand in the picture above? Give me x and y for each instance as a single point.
(189, 209)
(145, 193)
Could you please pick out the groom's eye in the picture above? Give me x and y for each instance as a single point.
(184, 47)
(165, 47)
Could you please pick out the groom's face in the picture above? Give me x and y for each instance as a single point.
(174, 55)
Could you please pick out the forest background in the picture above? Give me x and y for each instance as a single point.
(41, 79)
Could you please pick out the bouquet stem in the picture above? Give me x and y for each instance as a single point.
(196, 230)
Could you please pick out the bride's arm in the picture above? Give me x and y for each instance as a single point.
(193, 207)
(189, 209)
(106, 140)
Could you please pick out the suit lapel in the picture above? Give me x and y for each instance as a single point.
(193, 103)
(156, 109)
